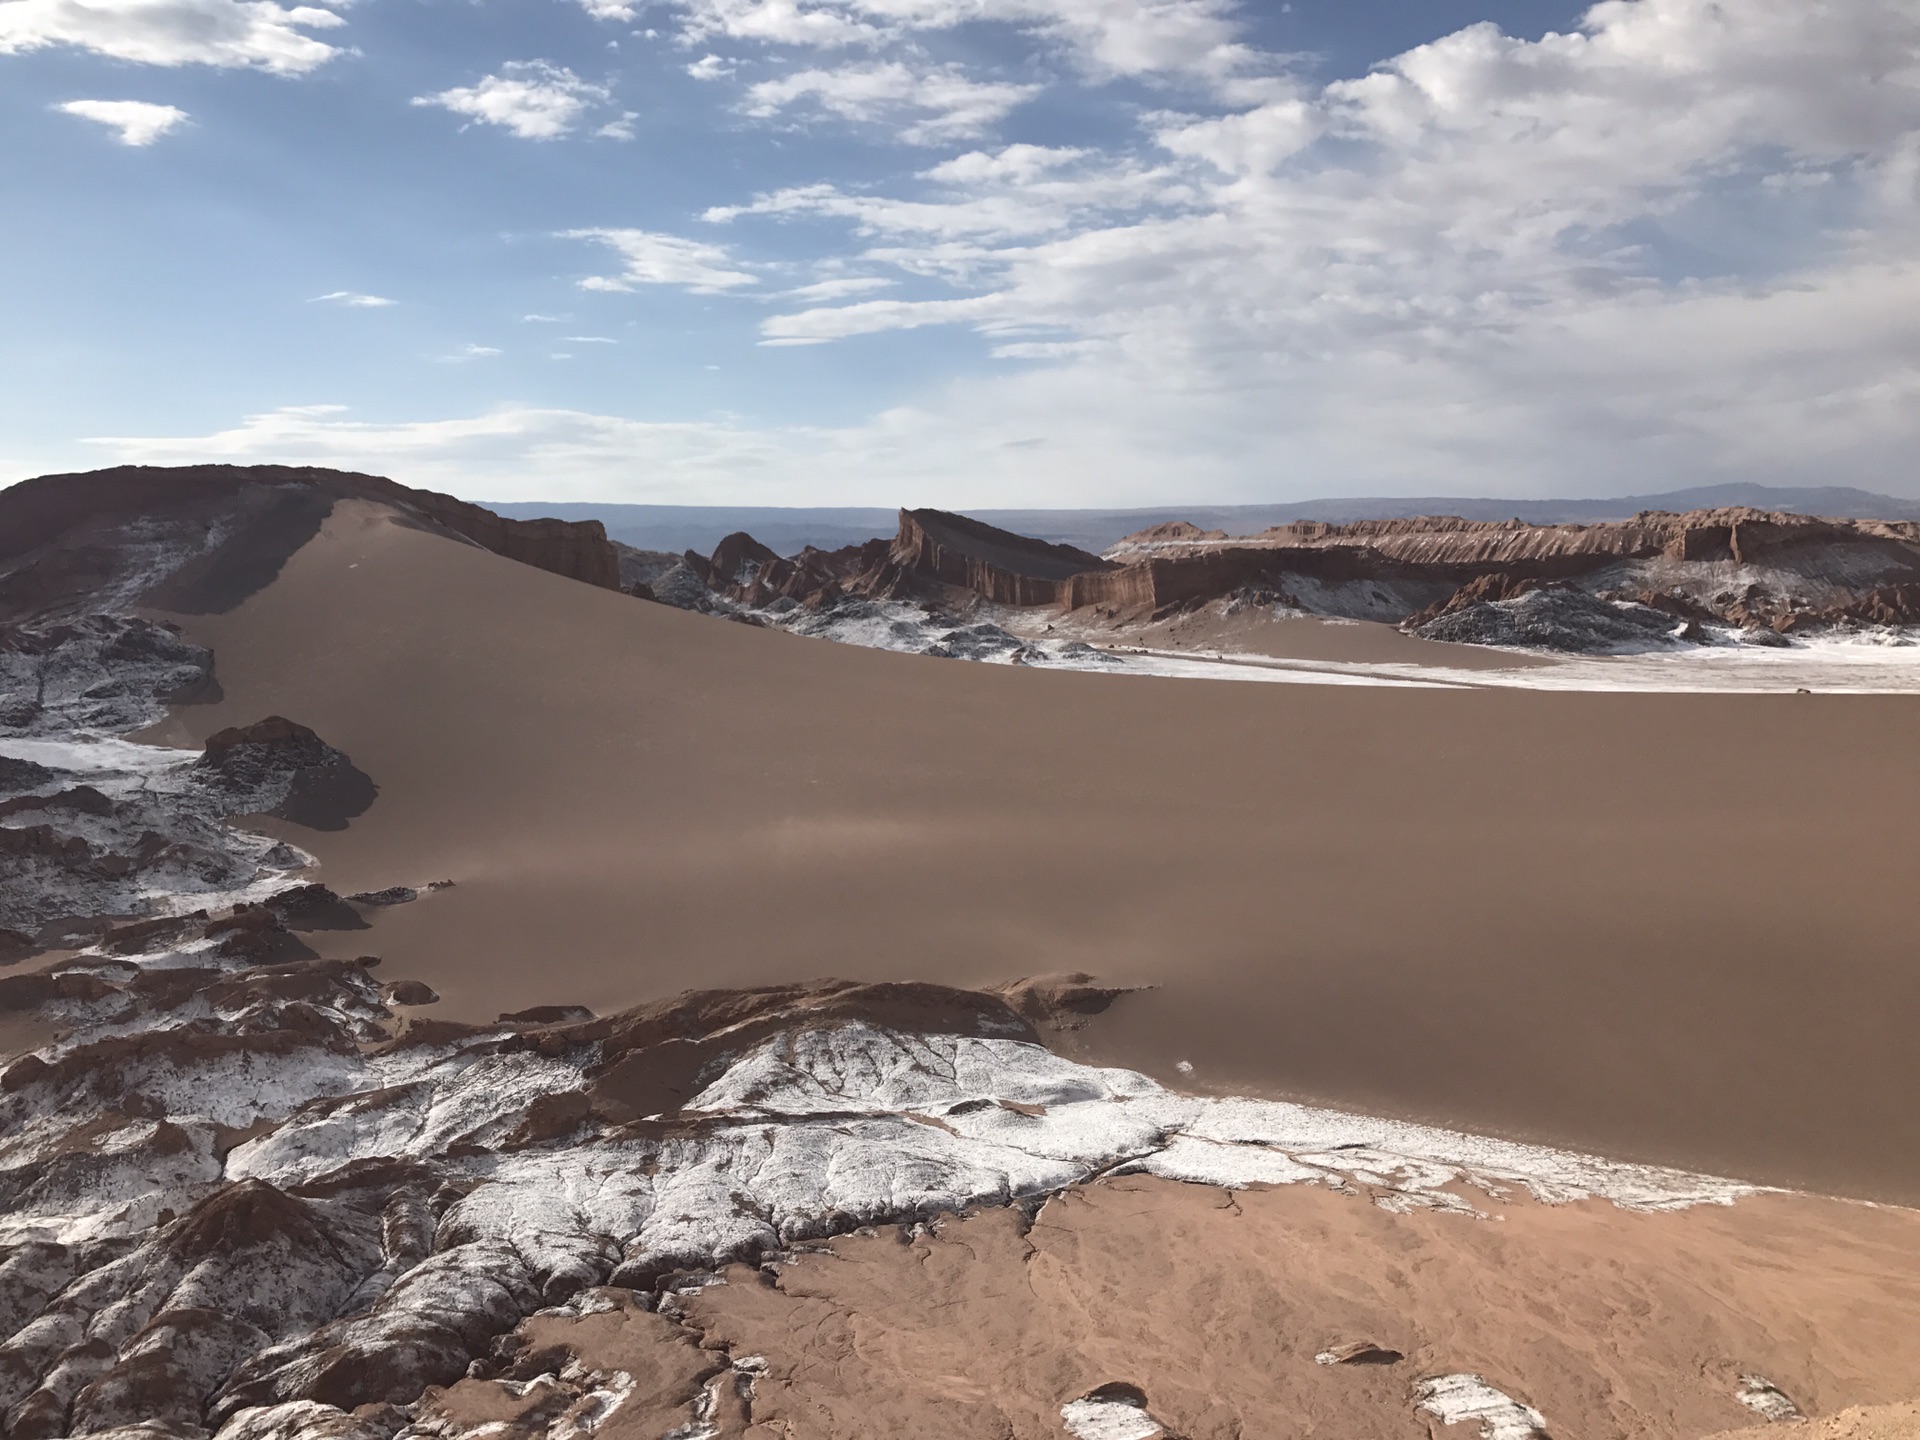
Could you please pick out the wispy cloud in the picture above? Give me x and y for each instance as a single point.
(352, 299)
(235, 34)
(924, 105)
(137, 121)
(649, 258)
(838, 289)
(532, 98)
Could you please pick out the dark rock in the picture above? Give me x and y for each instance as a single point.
(547, 1015)
(313, 907)
(1552, 618)
(101, 672)
(392, 895)
(77, 800)
(145, 935)
(277, 767)
(255, 934)
(411, 992)
(17, 775)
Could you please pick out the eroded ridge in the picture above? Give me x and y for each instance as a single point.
(237, 1186)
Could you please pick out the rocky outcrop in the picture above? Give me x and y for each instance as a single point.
(276, 767)
(250, 1198)
(110, 829)
(96, 672)
(937, 548)
(1553, 617)
(201, 538)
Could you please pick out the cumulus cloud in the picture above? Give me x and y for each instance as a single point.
(532, 98)
(137, 121)
(353, 299)
(922, 105)
(1679, 244)
(649, 258)
(255, 34)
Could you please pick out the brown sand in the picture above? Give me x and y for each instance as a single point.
(1615, 1326)
(1856, 1422)
(1673, 927)
(1309, 637)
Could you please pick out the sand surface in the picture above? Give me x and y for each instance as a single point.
(1310, 637)
(1856, 1422)
(1664, 927)
(1612, 1325)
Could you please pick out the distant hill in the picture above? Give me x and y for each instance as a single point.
(789, 529)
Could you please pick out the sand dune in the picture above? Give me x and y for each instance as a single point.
(1620, 922)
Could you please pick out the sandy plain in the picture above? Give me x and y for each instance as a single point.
(1672, 928)
(1214, 1305)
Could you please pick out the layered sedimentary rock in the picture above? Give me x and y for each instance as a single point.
(935, 555)
(1439, 577)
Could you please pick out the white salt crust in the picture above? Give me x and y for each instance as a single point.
(1468, 1399)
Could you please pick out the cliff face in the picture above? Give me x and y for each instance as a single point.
(935, 548)
(1794, 571)
(200, 538)
(933, 554)
(1749, 569)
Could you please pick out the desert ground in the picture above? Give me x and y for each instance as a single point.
(1618, 922)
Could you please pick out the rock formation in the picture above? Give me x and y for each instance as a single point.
(201, 538)
(1761, 573)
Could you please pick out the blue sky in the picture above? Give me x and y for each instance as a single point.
(966, 252)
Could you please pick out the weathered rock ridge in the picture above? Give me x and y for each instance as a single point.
(201, 538)
(1757, 572)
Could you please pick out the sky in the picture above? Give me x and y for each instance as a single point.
(966, 252)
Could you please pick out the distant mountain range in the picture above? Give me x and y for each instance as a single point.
(789, 529)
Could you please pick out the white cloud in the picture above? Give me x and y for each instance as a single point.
(783, 22)
(870, 317)
(711, 67)
(469, 352)
(649, 258)
(1021, 190)
(138, 121)
(1490, 266)
(255, 34)
(590, 339)
(1104, 37)
(839, 289)
(1457, 257)
(353, 299)
(609, 9)
(532, 98)
(921, 105)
